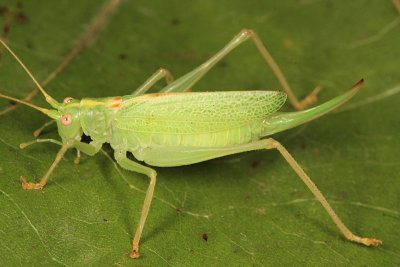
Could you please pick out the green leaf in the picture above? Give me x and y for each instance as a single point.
(246, 209)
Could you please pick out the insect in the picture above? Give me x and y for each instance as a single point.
(175, 127)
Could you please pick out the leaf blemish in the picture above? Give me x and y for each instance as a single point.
(256, 164)
(205, 237)
(175, 22)
(22, 18)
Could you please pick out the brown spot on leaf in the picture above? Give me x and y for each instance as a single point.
(175, 22)
(191, 251)
(178, 210)
(288, 43)
(3, 10)
(256, 164)
(364, 36)
(205, 237)
(222, 63)
(261, 210)
(10, 149)
(12, 103)
(122, 56)
(22, 18)
(30, 45)
(342, 196)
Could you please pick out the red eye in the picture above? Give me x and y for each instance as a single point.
(66, 119)
(68, 99)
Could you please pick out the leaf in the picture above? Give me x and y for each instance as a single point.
(251, 207)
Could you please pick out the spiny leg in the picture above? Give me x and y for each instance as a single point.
(271, 143)
(158, 75)
(181, 156)
(124, 162)
(185, 82)
(43, 181)
(299, 105)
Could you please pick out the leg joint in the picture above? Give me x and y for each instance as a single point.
(163, 70)
(152, 175)
(119, 154)
(247, 32)
(272, 143)
(167, 74)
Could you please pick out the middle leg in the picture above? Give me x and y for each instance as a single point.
(124, 162)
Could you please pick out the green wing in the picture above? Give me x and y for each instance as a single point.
(196, 113)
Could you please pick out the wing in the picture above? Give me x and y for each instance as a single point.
(195, 113)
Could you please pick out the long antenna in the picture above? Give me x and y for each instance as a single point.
(49, 99)
(44, 110)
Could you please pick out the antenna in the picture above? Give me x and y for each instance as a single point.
(44, 110)
(49, 99)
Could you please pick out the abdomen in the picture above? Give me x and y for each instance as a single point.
(129, 140)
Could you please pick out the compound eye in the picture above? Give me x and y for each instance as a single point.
(66, 119)
(68, 99)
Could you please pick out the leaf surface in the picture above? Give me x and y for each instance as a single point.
(246, 209)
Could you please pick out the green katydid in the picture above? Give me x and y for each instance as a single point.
(176, 127)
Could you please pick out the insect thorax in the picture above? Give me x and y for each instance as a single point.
(96, 116)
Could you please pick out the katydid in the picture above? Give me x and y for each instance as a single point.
(176, 127)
